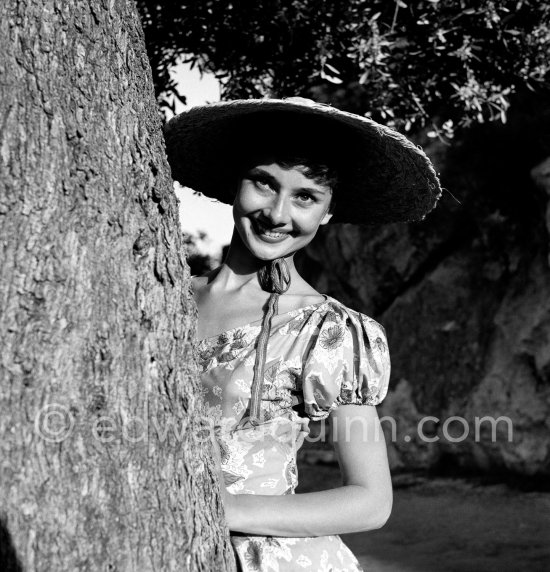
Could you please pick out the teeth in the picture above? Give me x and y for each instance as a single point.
(270, 233)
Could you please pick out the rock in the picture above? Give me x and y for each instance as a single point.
(408, 438)
(465, 300)
(541, 176)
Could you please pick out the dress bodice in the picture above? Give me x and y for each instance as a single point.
(318, 357)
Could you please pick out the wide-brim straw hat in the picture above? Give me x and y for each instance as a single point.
(382, 176)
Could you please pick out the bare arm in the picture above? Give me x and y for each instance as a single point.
(362, 503)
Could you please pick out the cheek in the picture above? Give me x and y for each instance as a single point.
(246, 201)
(309, 222)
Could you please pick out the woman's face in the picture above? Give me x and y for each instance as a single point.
(278, 210)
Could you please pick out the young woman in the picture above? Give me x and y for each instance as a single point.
(274, 352)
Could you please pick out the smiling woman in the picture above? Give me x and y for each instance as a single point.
(274, 352)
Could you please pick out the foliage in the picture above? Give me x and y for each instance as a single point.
(199, 263)
(448, 62)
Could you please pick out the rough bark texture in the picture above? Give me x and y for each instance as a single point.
(102, 464)
(465, 299)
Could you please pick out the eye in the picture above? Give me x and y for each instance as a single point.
(261, 183)
(306, 198)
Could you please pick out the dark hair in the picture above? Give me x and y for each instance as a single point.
(319, 172)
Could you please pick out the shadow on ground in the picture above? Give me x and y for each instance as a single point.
(450, 525)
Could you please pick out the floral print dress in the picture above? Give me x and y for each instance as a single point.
(318, 357)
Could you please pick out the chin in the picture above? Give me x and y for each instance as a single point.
(268, 253)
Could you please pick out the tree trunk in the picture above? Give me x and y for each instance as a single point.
(103, 464)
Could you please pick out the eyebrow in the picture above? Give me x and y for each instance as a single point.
(258, 171)
(273, 181)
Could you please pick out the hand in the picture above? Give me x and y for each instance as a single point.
(303, 433)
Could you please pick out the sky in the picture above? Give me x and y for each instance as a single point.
(197, 212)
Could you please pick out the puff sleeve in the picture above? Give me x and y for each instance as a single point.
(347, 363)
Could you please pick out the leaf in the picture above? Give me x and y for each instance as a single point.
(332, 69)
(332, 79)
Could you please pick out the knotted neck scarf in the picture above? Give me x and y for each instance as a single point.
(275, 278)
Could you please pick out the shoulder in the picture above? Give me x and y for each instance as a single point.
(347, 361)
(333, 309)
(199, 282)
(338, 327)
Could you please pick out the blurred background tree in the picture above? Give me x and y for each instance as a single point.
(199, 263)
(408, 63)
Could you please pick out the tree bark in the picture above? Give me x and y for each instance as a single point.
(103, 463)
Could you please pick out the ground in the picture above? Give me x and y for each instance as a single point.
(450, 525)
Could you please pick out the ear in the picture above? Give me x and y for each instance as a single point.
(326, 218)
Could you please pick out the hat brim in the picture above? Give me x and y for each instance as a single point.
(383, 177)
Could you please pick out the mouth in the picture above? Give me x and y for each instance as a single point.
(268, 234)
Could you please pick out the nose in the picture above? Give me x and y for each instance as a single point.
(278, 211)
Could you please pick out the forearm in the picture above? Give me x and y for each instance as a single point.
(350, 508)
